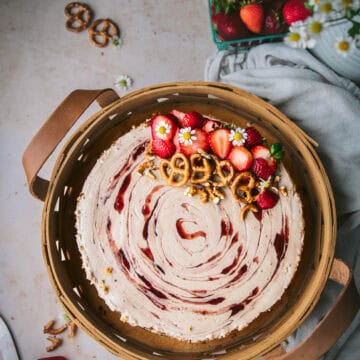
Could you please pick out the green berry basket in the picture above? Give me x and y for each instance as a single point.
(241, 44)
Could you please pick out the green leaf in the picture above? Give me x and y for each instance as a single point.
(278, 155)
(355, 29)
(275, 148)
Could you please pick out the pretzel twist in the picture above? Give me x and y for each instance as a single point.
(223, 173)
(176, 172)
(79, 16)
(101, 31)
(200, 169)
(242, 187)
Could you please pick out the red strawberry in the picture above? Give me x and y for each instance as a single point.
(163, 127)
(262, 151)
(267, 199)
(163, 148)
(220, 142)
(193, 119)
(241, 158)
(295, 10)
(176, 140)
(230, 27)
(210, 125)
(253, 137)
(252, 16)
(201, 142)
(261, 168)
(179, 114)
(272, 23)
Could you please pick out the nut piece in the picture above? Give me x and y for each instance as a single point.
(55, 343)
(246, 208)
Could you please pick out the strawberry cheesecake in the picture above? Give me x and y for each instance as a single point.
(190, 227)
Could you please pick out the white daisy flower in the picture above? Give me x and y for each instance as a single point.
(123, 82)
(347, 4)
(344, 45)
(238, 136)
(161, 129)
(314, 3)
(116, 41)
(265, 184)
(315, 24)
(186, 136)
(357, 41)
(299, 37)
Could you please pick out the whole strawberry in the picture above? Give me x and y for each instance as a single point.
(230, 27)
(253, 137)
(273, 23)
(267, 199)
(295, 10)
(163, 148)
(252, 16)
(193, 119)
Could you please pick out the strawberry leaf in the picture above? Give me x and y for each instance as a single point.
(355, 29)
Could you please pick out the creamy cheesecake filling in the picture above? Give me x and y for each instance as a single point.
(168, 262)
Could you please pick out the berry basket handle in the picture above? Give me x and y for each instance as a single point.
(54, 130)
(334, 323)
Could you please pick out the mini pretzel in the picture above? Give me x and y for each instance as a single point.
(246, 208)
(200, 169)
(101, 31)
(224, 171)
(175, 172)
(79, 16)
(242, 187)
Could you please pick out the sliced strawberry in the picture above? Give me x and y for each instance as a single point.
(267, 199)
(261, 151)
(220, 143)
(200, 142)
(178, 114)
(261, 168)
(241, 158)
(176, 140)
(210, 125)
(163, 127)
(253, 137)
(163, 148)
(193, 119)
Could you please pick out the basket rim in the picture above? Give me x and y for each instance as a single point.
(298, 137)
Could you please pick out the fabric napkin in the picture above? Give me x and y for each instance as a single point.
(327, 107)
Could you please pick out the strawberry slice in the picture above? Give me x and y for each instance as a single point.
(193, 119)
(163, 148)
(267, 199)
(210, 125)
(163, 127)
(241, 158)
(261, 151)
(220, 143)
(200, 142)
(178, 114)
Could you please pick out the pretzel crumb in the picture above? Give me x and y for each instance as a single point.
(49, 328)
(72, 329)
(147, 164)
(283, 191)
(55, 343)
(108, 270)
(246, 208)
(149, 173)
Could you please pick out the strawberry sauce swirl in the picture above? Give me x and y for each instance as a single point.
(182, 268)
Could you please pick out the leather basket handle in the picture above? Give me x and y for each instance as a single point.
(54, 130)
(334, 323)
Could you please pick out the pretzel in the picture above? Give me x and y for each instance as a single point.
(175, 172)
(101, 31)
(200, 169)
(242, 187)
(224, 172)
(49, 328)
(55, 343)
(72, 328)
(79, 16)
(246, 208)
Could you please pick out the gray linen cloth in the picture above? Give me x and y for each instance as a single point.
(327, 107)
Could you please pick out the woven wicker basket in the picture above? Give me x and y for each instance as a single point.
(80, 153)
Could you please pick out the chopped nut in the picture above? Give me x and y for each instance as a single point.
(246, 208)
(108, 270)
(283, 191)
(55, 343)
(72, 328)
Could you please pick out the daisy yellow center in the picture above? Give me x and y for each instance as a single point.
(162, 130)
(238, 136)
(122, 83)
(186, 136)
(346, 2)
(326, 8)
(316, 27)
(343, 45)
(294, 37)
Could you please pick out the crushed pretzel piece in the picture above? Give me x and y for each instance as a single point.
(144, 166)
(218, 193)
(246, 208)
(55, 343)
(149, 154)
(72, 329)
(149, 173)
(108, 270)
(191, 191)
(204, 196)
(48, 326)
(283, 191)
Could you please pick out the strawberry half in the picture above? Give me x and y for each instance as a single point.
(163, 148)
(252, 16)
(192, 119)
(253, 137)
(210, 125)
(201, 142)
(241, 158)
(163, 127)
(267, 199)
(220, 143)
(261, 168)
(295, 10)
(178, 114)
(263, 152)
